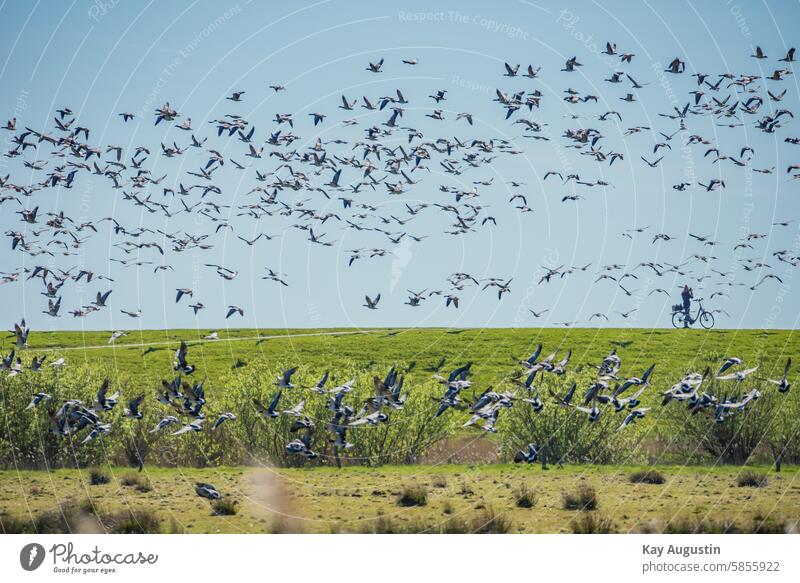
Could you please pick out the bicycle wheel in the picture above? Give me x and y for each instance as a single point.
(677, 319)
(707, 320)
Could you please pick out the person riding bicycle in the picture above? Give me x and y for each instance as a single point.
(687, 294)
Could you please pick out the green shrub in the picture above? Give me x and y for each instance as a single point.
(439, 482)
(685, 525)
(224, 507)
(525, 498)
(647, 477)
(138, 481)
(751, 479)
(133, 522)
(584, 498)
(98, 477)
(413, 495)
(490, 522)
(27, 443)
(591, 523)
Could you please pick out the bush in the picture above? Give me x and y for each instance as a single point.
(413, 495)
(759, 525)
(282, 525)
(584, 498)
(64, 519)
(137, 481)
(439, 482)
(455, 525)
(647, 477)
(133, 522)
(98, 477)
(702, 526)
(737, 439)
(25, 437)
(13, 525)
(490, 522)
(224, 507)
(525, 498)
(61, 520)
(569, 437)
(383, 525)
(591, 523)
(751, 479)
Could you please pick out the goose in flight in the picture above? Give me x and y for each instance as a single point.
(195, 426)
(415, 298)
(566, 399)
(207, 491)
(180, 363)
(21, 332)
(783, 383)
(185, 291)
(737, 376)
(302, 446)
(372, 304)
(644, 381)
(729, 362)
(165, 422)
(132, 412)
(296, 410)
(53, 308)
(373, 419)
(105, 402)
(676, 66)
(101, 298)
(97, 431)
(528, 455)
(571, 63)
(271, 411)
(375, 67)
(37, 399)
(593, 412)
(275, 276)
(285, 380)
(611, 49)
(234, 310)
(633, 416)
(652, 164)
(319, 388)
(532, 361)
(116, 336)
(223, 417)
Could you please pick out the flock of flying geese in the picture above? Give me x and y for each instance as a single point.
(359, 185)
(609, 390)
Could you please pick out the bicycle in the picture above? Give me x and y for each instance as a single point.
(679, 316)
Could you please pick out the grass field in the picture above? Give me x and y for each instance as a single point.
(147, 356)
(700, 493)
(458, 498)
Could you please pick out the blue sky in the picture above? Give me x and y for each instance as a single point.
(104, 58)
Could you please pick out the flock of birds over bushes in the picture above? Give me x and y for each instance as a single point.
(360, 187)
(186, 410)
